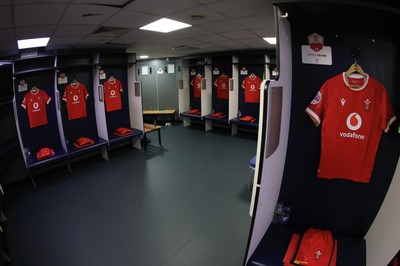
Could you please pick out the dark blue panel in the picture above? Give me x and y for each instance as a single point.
(86, 126)
(46, 135)
(272, 248)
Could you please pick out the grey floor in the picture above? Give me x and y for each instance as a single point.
(183, 204)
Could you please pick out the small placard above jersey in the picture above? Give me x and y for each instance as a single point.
(316, 52)
(322, 57)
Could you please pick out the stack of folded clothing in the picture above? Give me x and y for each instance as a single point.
(194, 112)
(218, 115)
(315, 247)
(122, 131)
(45, 153)
(83, 142)
(248, 118)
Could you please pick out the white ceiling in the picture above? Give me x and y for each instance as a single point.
(100, 24)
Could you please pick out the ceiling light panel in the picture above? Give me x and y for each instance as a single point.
(33, 43)
(270, 40)
(165, 25)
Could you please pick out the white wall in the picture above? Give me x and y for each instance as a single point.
(273, 166)
(383, 238)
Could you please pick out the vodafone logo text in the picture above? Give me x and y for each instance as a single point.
(353, 123)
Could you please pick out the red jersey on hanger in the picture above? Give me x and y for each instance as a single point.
(222, 84)
(75, 95)
(35, 102)
(196, 83)
(251, 85)
(353, 118)
(112, 95)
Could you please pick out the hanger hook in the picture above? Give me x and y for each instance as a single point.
(355, 52)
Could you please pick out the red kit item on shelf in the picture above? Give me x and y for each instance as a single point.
(291, 250)
(218, 114)
(353, 119)
(315, 247)
(83, 142)
(251, 85)
(35, 102)
(45, 153)
(123, 131)
(75, 95)
(196, 83)
(222, 84)
(194, 112)
(112, 94)
(248, 118)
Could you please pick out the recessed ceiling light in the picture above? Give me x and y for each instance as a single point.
(143, 56)
(165, 25)
(32, 43)
(198, 17)
(270, 40)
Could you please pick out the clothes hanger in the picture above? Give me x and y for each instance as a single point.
(355, 68)
(34, 89)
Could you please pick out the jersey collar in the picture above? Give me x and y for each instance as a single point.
(355, 88)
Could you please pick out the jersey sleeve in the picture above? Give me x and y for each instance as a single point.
(64, 98)
(259, 81)
(86, 93)
(216, 82)
(317, 106)
(120, 86)
(387, 113)
(23, 104)
(46, 97)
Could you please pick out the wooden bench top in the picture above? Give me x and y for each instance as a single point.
(149, 127)
(159, 112)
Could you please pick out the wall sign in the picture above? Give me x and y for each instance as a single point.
(316, 52)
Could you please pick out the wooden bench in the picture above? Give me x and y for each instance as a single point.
(154, 115)
(148, 128)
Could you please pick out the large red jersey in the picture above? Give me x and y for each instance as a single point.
(112, 94)
(196, 83)
(222, 84)
(353, 113)
(35, 102)
(251, 85)
(75, 95)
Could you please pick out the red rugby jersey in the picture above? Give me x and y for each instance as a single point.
(75, 95)
(222, 84)
(251, 85)
(353, 118)
(196, 83)
(112, 95)
(35, 102)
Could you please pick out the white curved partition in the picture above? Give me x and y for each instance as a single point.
(270, 163)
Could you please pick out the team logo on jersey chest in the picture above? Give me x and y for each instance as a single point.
(367, 104)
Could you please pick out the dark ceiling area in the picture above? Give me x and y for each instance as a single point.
(383, 16)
